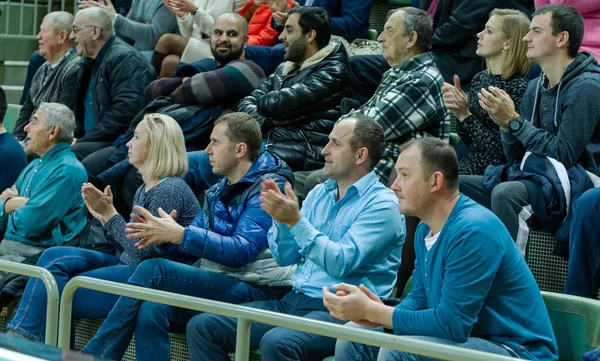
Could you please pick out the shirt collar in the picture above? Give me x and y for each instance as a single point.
(415, 62)
(360, 186)
(57, 148)
(67, 54)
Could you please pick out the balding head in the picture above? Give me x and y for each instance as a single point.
(60, 21)
(54, 37)
(228, 38)
(92, 28)
(236, 18)
(95, 16)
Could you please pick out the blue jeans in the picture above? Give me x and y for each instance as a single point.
(200, 176)
(212, 337)
(348, 350)
(65, 263)
(152, 322)
(584, 247)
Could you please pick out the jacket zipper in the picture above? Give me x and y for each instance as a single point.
(311, 151)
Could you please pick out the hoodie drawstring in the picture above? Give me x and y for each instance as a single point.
(556, 106)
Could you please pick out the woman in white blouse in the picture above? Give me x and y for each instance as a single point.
(195, 19)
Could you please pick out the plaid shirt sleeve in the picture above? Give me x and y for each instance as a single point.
(406, 104)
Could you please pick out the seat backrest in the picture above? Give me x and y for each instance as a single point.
(10, 118)
(576, 324)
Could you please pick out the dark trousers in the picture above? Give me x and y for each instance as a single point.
(506, 200)
(83, 149)
(267, 57)
(212, 337)
(97, 163)
(584, 247)
(368, 70)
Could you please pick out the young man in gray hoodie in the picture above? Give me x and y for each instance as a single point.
(559, 115)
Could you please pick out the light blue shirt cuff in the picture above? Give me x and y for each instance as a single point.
(303, 232)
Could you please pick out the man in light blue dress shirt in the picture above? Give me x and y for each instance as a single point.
(348, 230)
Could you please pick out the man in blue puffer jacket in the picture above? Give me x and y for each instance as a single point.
(229, 237)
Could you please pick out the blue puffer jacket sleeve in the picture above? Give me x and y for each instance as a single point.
(237, 250)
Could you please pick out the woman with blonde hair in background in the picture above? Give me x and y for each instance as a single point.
(501, 44)
(157, 150)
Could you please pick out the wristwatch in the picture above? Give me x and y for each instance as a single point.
(515, 124)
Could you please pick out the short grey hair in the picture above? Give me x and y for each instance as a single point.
(418, 21)
(60, 20)
(61, 116)
(100, 18)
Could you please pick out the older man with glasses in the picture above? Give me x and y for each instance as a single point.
(113, 85)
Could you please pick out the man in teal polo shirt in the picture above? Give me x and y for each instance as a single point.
(44, 207)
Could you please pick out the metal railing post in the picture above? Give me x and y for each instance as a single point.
(242, 340)
(51, 291)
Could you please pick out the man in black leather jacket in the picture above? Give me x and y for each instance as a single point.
(112, 91)
(298, 105)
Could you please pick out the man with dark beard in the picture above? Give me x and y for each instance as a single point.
(298, 105)
(224, 80)
(198, 91)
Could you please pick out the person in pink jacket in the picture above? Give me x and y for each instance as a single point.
(590, 10)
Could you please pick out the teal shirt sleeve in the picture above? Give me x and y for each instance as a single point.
(3, 217)
(48, 205)
(470, 268)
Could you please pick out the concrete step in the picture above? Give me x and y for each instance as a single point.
(13, 93)
(15, 72)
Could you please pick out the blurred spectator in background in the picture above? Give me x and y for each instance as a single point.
(145, 23)
(263, 28)
(58, 80)
(12, 156)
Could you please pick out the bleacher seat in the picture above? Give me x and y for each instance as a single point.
(549, 271)
(10, 118)
(454, 139)
(576, 324)
(372, 34)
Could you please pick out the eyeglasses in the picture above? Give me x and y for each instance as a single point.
(78, 29)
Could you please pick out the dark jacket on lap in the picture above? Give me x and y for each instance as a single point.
(297, 107)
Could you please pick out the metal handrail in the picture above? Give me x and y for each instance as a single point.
(51, 291)
(245, 315)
